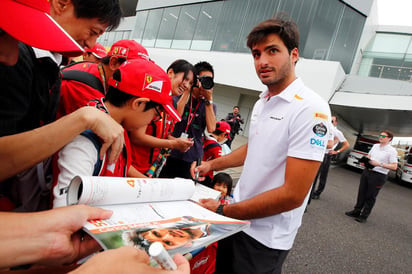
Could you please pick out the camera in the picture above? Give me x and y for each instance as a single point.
(206, 81)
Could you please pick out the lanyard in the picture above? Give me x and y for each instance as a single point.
(101, 71)
(190, 119)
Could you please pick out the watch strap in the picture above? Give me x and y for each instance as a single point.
(219, 210)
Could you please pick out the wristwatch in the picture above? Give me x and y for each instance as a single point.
(219, 210)
(208, 102)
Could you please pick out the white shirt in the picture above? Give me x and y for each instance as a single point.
(293, 123)
(56, 57)
(76, 158)
(339, 135)
(383, 154)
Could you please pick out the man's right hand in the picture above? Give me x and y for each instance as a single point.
(182, 144)
(128, 259)
(203, 168)
(110, 131)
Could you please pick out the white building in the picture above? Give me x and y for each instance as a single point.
(344, 55)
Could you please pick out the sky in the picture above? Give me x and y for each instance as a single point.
(395, 12)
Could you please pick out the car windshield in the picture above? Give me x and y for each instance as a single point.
(363, 147)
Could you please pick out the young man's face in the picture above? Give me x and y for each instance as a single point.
(235, 110)
(169, 237)
(84, 31)
(273, 63)
(9, 49)
(138, 117)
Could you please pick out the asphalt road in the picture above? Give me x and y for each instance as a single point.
(331, 242)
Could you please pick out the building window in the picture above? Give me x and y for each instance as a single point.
(189, 17)
(388, 56)
(167, 27)
(206, 26)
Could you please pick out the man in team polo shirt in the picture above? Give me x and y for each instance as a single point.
(288, 135)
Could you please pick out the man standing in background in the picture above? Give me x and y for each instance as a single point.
(234, 120)
(324, 168)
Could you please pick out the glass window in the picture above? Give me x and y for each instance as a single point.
(230, 23)
(167, 27)
(206, 26)
(152, 27)
(303, 13)
(385, 43)
(257, 12)
(141, 17)
(323, 29)
(186, 27)
(347, 38)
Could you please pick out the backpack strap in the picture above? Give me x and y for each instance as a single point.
(98, 144)
(83, 77)
(211, 145)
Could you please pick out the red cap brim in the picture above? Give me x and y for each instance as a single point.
(172, 111)
(36, 28)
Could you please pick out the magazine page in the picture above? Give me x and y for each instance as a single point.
(204, 192)
(95, 190)
(181, 226)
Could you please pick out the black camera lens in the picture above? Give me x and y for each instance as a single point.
(207, 82)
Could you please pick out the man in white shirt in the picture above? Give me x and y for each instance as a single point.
(287, 139)
(383, 157)
(324, 168)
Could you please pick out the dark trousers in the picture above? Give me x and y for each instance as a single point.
(371, 183)
(241, 254)
(323, 174)
(176, 168)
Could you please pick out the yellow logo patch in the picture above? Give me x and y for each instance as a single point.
(298, 97)
(320, 115)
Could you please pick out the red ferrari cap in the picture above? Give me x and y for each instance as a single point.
(224, 127)
(98, 51)
(143, 78)
(128, 49)
(29, 21)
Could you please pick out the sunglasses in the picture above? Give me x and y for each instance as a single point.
(383, 136)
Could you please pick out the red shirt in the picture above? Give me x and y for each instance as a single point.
(143, 156)
(74, 94)
(211, 151)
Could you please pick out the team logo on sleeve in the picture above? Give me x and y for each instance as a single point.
(320, 129)
(320, 115)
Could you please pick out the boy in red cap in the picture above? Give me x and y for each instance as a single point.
(212, 148)
(137, 92)
(76, 92)
(30, 91)
(95, 54)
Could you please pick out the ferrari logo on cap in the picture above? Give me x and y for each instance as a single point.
(149, 79)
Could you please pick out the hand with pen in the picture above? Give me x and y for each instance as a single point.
(128, 259)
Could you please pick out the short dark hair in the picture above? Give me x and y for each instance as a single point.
(119, 98)
(286, 29)
(184, 66)
(236, 107)
(223, 177)
(204, 66)
(107, 11)
(389, 133)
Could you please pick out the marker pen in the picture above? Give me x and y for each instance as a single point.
(198, 162)
(160, 255)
